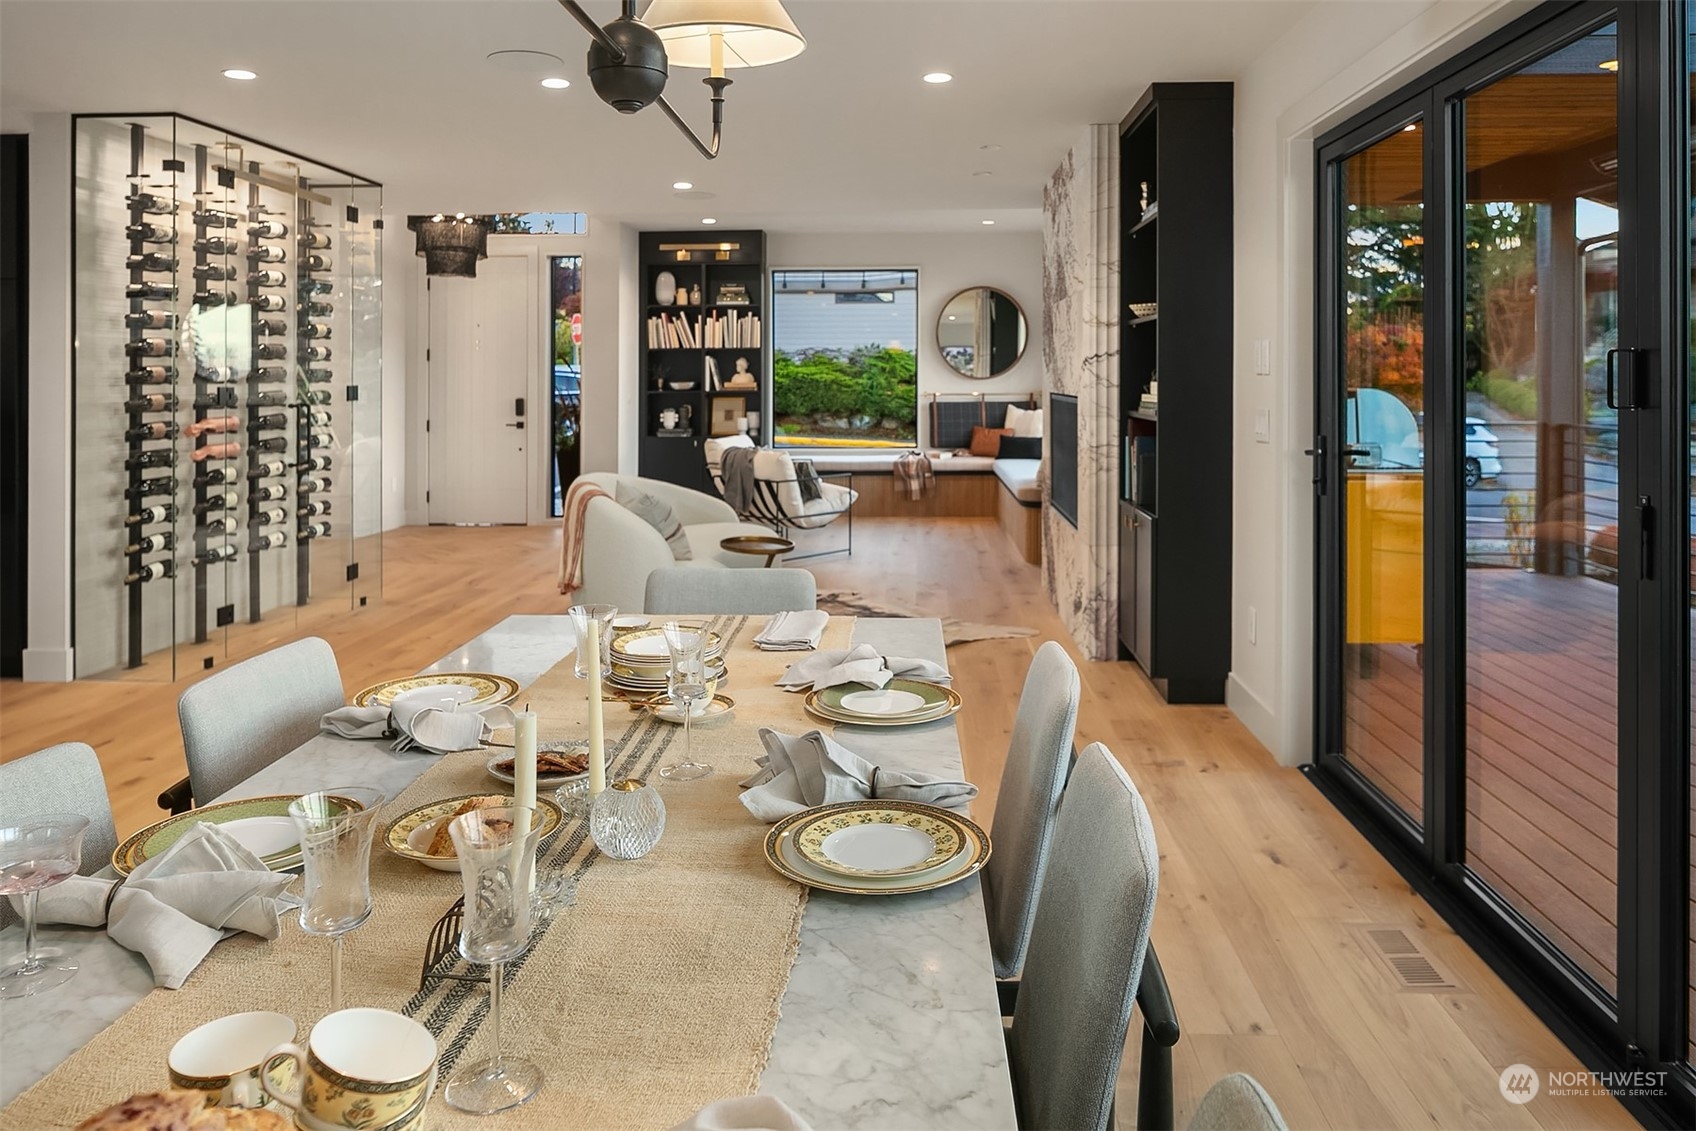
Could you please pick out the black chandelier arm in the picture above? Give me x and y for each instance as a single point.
(594, 29)
(707, 151)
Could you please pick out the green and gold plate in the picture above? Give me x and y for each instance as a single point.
(785, 856)
(903, 702)
(486, 688)
(875, 838)
(256, 821)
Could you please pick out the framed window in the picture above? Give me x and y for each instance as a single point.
(843, 372)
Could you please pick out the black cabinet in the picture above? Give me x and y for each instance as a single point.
(1175, 279)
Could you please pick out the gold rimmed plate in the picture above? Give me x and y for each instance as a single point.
(410, 834)
(904, 702)
(717, 707)
(786, 859)
(875, 838)
(257, 822)
(646, 646)
(486, 688)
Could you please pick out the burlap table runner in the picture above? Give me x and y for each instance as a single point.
(654, 995)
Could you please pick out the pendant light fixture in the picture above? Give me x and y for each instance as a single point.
(630, 59)
(452, 245)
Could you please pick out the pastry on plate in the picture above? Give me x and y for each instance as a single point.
(180, 1111)
(442, 843)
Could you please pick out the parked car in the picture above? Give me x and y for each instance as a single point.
(1483, 459)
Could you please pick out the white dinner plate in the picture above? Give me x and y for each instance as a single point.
(884, 702)
(264, 836)
(879, 848)
(797, 867)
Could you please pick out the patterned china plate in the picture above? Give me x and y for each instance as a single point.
(409, 835)
(872, 838)
(786, 859)
(835, 704)
(647, 646)
(486, 688)
(156, 838)
(717, 708)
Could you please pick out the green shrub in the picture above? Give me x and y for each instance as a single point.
(1511, 394)
(869, 381)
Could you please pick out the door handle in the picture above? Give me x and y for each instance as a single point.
(1628, 387)
(518, 424)
(1317, 452)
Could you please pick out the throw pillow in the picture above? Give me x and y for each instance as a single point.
(657, 514)
(1020, 447)
(1024, 421)
(987, 441)
(808, 480)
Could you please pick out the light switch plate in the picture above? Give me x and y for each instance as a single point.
(1263, 426)
(1263, 357)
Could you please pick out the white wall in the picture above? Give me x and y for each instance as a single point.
(1326, 67)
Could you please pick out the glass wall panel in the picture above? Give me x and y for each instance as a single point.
(1383, 353)
(1690, 486)
(1540, 253)
(566, 273)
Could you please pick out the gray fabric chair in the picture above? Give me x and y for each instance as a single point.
(1086, 951)
(1031, 781)
(1237, 1103)
(240, 721)
(683, 590)
(60, 779)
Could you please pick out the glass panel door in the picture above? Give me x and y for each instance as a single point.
(1689, 85)
(1540, 633)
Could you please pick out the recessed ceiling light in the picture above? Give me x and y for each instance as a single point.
(708, 220)
(240, 74)
(682, 186)
(1609, 64)
(1410, 127)
(951, 318)
(989, 221)
(556, 84)
(938, 77)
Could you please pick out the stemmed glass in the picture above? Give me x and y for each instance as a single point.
(686, 684)
(335, 846)
(497, 851)
(33, 855)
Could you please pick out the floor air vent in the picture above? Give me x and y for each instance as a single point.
(1406, 962)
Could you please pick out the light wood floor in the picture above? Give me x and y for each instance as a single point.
(1263, 886)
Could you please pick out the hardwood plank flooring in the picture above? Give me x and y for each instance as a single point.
(1263, 884)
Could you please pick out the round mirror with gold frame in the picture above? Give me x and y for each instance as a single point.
(981, 332)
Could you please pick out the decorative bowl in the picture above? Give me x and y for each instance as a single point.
(1144, 309)
(681, 386)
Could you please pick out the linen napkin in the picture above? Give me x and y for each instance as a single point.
(803, 771)
(175, 907)
(745, 1113)
(793, 631)
(861, 664)
(419, 717)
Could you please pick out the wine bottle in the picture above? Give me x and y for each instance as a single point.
(223, 525)
(318, 376)
(215, 272)
(147, 375)
(151, 203)
(270, 373)
(152, 402)
(314, 483)
(150, 261)
(270, 351)
(315, 330)
(214, 477)
(224, 422)
(316, 353)
(271, 517)
(166, 512)
(151, 347)
(267, 399)
(314, 530)
(270, 420)
(317, 287)
(222, 502)
(315, 396)
(215, 374)
(316, 262)
(265, 470)
(152, 571)
(314, 508)
(318, 417)
(147, 488)
(267, 253)
(321, 440)
(215, 554)
(270, 327)
(274, 540)
(215, 218)
(155, 430)
(217, 245)
(268, 229)
(149, 543)
(314, 239)
(151, 320)
(267, 279)
(150, 290)
(318, 309)
(269, 492)
(316, 463)
(269, 444)
(153, 457)
(270, 303)
(211, 299)
(150, 233)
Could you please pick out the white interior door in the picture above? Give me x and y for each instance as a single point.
(482, 357)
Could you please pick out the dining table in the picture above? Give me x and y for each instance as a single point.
(889, 1017)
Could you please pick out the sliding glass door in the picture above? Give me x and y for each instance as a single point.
(1503, 470)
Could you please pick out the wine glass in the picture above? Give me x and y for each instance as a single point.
(35, 854)
(686, 685)
(335, 847)
(497, 851)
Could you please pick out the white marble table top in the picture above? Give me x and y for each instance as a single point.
(891, 1018)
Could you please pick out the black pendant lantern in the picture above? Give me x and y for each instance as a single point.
(452, 245)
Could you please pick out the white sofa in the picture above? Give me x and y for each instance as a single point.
(620, 549)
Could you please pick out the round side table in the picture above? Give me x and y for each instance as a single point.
(768, 544)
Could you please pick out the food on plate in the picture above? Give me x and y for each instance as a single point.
(180, 1111)
(549, 764)
(442, 844)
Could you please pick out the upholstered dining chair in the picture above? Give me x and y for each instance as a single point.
(1031, 781)
(1086, 951)
(683, 590)
(60, 779)
(241, 720)
(1237, 1103)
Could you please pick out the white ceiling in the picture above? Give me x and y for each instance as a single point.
(845, 137)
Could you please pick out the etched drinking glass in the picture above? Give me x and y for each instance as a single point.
(602, 616)
(335, 847)
(35, 854)
(497, 852)
(686, 684)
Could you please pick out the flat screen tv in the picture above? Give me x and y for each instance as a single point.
(1063, 456)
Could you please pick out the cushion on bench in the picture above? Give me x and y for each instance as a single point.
(883, 463)
(1020, 477)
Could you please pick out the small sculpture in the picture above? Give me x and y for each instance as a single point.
(741, 379)
(695, 294)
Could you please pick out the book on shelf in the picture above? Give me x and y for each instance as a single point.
(674, 331)
(712, 379)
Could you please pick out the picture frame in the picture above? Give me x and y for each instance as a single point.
(722, 414)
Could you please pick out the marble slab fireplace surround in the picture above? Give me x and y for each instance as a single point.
(1080, 357)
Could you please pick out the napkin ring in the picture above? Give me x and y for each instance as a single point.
(112, 895)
